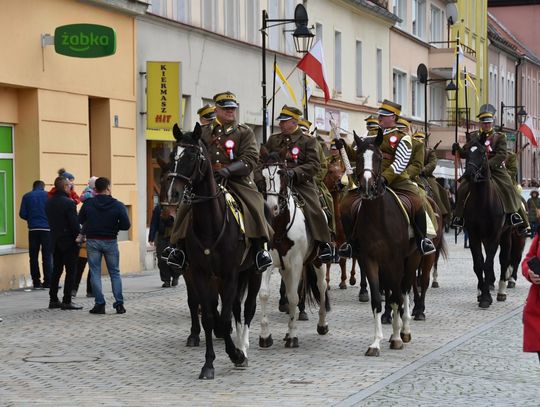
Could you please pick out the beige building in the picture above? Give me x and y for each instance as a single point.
(59, 111)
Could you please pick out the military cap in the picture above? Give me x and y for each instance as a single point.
(402, 123)
(486, 114)
(289, 112)
(225, 99)
(305, 123)
(388, 108)
(207, 111)
(372, 121)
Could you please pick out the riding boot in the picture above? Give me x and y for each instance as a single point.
(263, 258)
(325, 252)
(457, 221)
(425, 244)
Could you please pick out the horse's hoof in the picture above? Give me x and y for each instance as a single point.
(435, 284)
(302, 316)
(373, 352)
(511, 284)
(492, 287)
(406, 337)
(244, 363)
(266, 342)
(283, 307)
(485, 302)
(207, 373)
(363, 296)
(386, 319)
(343, 285)
(501, 297)
(238, 357)
(286, 338)
(352, 281)
(419, 316)
(396, 344)
(192, 341)
(322, 330)
(291, 343)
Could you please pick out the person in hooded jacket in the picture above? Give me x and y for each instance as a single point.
(102, 217)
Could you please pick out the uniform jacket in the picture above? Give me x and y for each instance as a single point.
(397, 180)
(416, 163)
(305, 169)
(62, 215)
(531, 311)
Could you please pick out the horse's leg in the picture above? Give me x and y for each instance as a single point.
(416, 293)
(352, 279)
(504, 261)
(489, 274)
(406, 318)
(265, 338)
(250, 305)
(328, 275)
(322, 326)
(291, 278)
(209, 303)
(395, 340)
(302, 314)
(426, 265)
(475, 246)
(342, 266)
(227, 299)
(435, 273)
(363, 295)
(372, 272)
(283, 307)
(193, 303)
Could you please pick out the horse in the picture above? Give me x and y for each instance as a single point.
(293, 251)
(510, 254)
(374, 221)
(332, 180)
(484, 218)
(219, 258)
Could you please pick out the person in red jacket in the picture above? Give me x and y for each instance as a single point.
(71, 178)
(531, 312)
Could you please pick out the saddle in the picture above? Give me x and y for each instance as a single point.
(409, 205)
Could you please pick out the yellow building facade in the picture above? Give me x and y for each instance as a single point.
(58, 111)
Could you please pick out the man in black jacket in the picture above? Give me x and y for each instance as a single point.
(62, 216)
(102, 217)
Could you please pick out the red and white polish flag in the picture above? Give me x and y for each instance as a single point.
(527, 129)
(313, 65)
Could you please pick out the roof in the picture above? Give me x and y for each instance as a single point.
(373, 8)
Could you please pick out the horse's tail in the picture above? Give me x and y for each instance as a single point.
(443, 251)
(310, 289)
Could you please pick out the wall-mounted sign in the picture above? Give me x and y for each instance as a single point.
(85, 40)
(162, 95)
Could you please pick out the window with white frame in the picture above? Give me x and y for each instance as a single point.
(337, 61)
(319, 32)
(400, 10)
(359, 90)
(209, 14)
(379, 74)
(157, 7)
(253, 19)
(273, 34)
(417, 90)
(182, 11)
(419, 18)
(232, 13)
(399, 88)
(437, 26)
(287, 37)
(436, 102)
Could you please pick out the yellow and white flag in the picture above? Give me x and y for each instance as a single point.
(284, 85)
(470, 82)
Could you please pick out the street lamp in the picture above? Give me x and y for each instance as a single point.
(518, 116)
(422, 74)
(303, 38)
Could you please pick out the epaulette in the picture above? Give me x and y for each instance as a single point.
(243, 125)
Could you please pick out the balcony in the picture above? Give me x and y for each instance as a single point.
(444, 130)
(442, 57)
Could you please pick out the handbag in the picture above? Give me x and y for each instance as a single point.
(534, 265)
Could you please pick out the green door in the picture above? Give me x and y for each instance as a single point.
(7, 230)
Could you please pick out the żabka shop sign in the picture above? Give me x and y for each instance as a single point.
(85, 40)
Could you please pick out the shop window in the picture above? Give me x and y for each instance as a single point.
(7, 230)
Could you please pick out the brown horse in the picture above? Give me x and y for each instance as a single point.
(332, 180)
(374, 222)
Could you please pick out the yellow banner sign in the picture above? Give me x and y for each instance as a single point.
(163, 95)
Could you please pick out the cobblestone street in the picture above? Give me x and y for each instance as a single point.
(461, 355)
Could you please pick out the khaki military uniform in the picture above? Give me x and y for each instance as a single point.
(326, 197)
(243, 187)
(497, 154)
(511, 166)
(398, 182)
(306, 169)
(439, 193)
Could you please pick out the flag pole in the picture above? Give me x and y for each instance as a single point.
(305, 98)
(275, 92)
(466, 101)
(456, 156)
(273, 98)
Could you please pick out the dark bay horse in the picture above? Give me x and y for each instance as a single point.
(485, 221)
(215, 248)
(374, 221)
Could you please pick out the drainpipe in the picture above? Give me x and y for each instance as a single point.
(520, 169)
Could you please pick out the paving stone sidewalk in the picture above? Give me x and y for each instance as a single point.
(461, 355)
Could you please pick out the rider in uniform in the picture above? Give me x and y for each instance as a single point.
(301, 171)
(233, 154)
(497, 154)
(207, 114)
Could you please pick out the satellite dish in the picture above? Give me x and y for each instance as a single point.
(300, 15)
(422, 73)
(451, 13)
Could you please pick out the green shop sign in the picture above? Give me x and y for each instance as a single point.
(85, 40)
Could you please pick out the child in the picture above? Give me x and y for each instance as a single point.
(89, 192)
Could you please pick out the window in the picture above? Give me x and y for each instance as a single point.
(437, 25)
(208, 14)
(273, 13)
(419, 18)
(337, 61)
(253, 19)
(379, 75)
(7, 221)
(436, 102)
(318, 32)
(359, 90)
(400, 10)
(417, 90)
(399, 91)
(157, 7)
(231, 19)
(287, 37)
(183, 11)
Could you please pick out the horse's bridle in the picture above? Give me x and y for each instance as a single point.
(375, 189)
(283, 194)
(475, 174)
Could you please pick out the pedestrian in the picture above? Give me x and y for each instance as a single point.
(102, 217)
(71, 179)
(160, 235)
(533, 210)
(32, 210)
(62, 216)
(531, 311)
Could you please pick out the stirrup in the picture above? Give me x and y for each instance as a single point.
(515, 219)
(325, 252)
(263, 260)
(457, 222)
(177, 259)
(427, 246)
(165, 253)
(345, 251)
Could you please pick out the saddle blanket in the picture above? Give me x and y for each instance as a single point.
(430, 229)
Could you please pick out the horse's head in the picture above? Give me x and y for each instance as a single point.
(187, 166)
(476, 166)
(368, 166)
(335, 172)
(275, 188)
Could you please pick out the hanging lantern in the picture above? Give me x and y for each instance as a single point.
(229, 146)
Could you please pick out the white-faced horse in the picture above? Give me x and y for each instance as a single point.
(293, 253)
